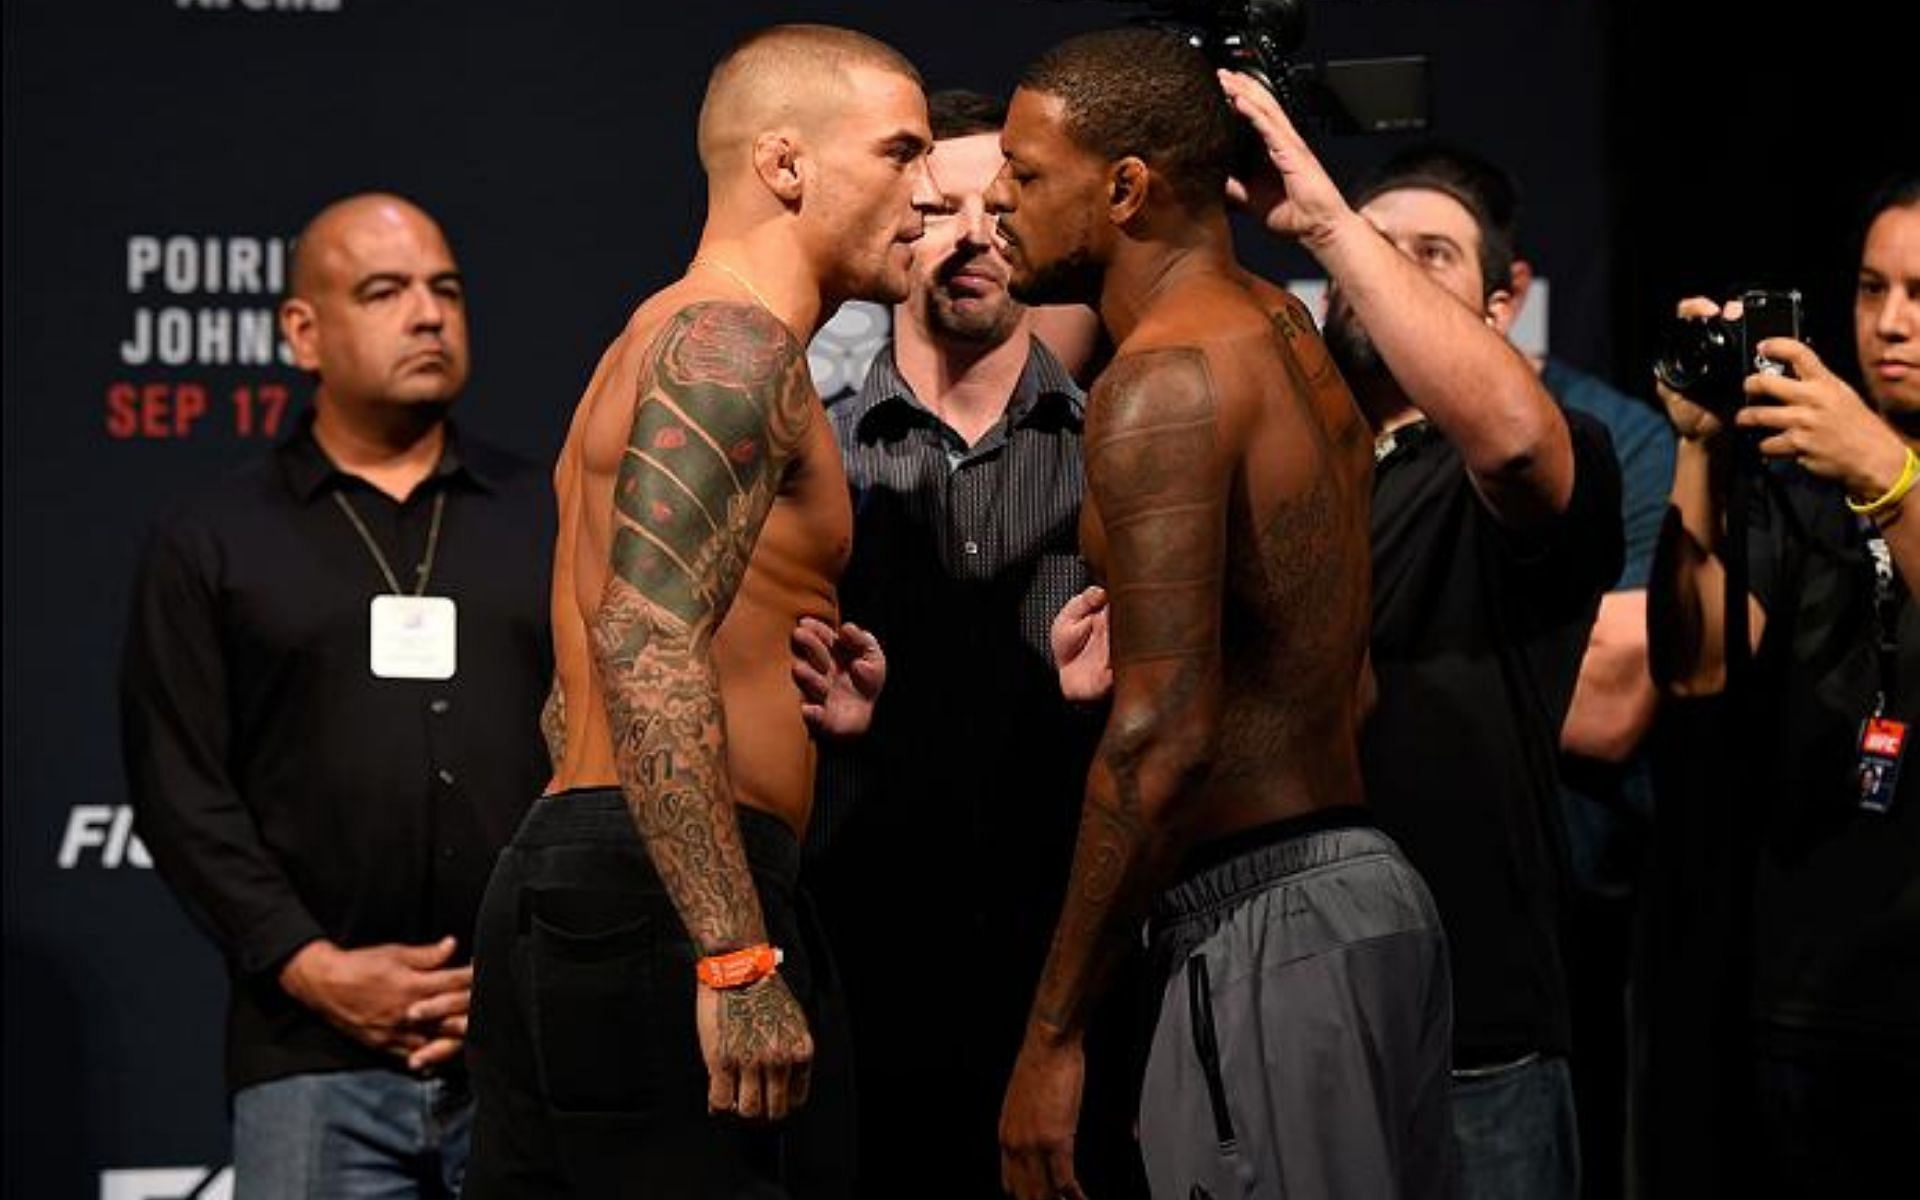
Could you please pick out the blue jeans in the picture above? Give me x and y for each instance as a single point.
(350, 1134)
(1514, 1132)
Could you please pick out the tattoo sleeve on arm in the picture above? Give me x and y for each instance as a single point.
(723, 403)
(1156, 472)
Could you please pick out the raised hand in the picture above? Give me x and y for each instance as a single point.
(1295, 197)
(840, 675)
(1813, 417)
(1080, 647)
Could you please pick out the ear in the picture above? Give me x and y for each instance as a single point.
(776, 160)
(1503, 307)
(300, 325)
(1126, 189)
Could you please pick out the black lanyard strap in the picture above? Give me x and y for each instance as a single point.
(380, 560)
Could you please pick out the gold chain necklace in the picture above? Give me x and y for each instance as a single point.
(734, 275)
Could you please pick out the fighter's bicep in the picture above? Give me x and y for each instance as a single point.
(1155, 469)
(721, 408)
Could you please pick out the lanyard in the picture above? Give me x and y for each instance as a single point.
(380, 560)
(1886, 619)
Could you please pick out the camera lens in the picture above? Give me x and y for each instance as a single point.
(1692, 353)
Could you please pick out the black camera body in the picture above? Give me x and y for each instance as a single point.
(1258, 37)
(1707, 360)
(1263, 39)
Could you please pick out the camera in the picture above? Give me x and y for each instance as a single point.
(1258, 37)
(1708, 359)
(1264, 37)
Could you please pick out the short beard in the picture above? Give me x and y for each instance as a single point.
(986, 330)
(1073, 279)
(1350, 347)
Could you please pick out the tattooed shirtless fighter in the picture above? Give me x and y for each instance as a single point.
(1301, 1046)
(651, 1008)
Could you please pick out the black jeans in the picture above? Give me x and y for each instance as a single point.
(585, 1064)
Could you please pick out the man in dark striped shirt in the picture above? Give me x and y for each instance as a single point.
(943, 836)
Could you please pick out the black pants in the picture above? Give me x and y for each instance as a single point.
(1836, 1124)
(929, 1126)
(585, 1063)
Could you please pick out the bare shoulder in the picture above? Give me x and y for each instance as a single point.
(714, 354)
(1283, 370)
(1235, 327)
(1185, 371)
(1292, 333)
(732, 375)
(1153, 432)
(1278, 302)
(1152, 386)
(721, 343)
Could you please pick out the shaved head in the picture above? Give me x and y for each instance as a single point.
(787, 74)
(376, 308)
(320, 245)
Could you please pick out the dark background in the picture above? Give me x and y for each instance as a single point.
(1661, 149)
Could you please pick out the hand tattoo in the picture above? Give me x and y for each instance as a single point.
(761, 1023)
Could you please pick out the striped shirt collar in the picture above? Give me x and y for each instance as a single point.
(1043, 383)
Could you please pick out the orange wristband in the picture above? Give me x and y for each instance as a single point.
(723, 972)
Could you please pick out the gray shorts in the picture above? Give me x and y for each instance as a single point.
(1305, 1028)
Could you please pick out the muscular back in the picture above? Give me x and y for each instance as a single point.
(702, 512)
(1229, 473)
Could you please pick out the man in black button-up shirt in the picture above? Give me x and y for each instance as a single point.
(331, 692)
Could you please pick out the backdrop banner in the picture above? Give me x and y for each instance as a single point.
(159, 157)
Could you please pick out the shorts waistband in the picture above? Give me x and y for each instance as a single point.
(1284, 850)
(599, 816)
(1208, 855)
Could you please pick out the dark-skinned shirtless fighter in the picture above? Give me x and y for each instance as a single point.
(1301, 1044)
(633, 1032)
